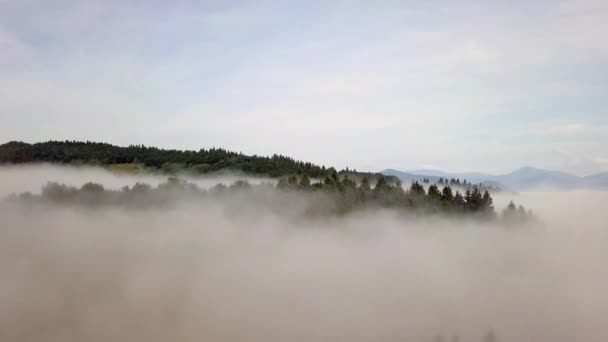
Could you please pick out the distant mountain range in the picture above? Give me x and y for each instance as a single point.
(520, 179)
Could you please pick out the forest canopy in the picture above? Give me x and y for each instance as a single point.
(334, 195)
(167, 161)
(343, 192)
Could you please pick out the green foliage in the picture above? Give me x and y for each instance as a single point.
(292, 181)
(129, 168)
(447, 199)
(343, 193)
(200, 168)
(171, 167)
(134, 157)
(459, 202)
(349, 190)
(446, 195)
(434, 193)
(92, 187)
(417, 189)
(169, 161)
(59, 192)
(382, 186)
(304, 183)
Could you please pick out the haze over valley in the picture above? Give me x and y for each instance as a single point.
(94, 255)
(301, 171)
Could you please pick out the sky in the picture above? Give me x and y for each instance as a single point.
(453, 85)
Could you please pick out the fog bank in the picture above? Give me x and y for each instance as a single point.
(31, 177)
(201, 272)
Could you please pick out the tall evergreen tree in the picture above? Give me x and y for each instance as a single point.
(487, 201)
(433, 192)
(417, 189)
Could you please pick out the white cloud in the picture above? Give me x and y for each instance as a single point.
(442, 84)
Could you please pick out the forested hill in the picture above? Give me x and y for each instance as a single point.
(169, 161)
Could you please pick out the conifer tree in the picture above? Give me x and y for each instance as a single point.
(304, 182)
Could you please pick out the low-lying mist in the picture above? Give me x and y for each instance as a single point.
(31, 177)
(236, 269)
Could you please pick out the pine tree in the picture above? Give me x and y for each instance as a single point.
(459, 201)
(446, 195)
(347, 183)
(417, 189)
(304, 182)
(382, 186)
(487, 201)
(475, 201)
(434, 193)
(467, 199)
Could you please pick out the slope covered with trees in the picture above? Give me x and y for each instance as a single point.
(167, 161)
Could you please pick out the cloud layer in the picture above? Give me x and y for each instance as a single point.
(194, 273)
(405, 85)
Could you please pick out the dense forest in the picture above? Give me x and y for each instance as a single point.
(334, 195)
(349, 195)
(346, 190)
(167, 161)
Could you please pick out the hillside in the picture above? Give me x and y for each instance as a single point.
(168, 161)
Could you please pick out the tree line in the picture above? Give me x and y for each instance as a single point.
(457, 183)
(169, 161)
(343, 194)
(349, 194)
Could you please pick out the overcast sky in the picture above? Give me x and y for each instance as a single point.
(453, 85)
